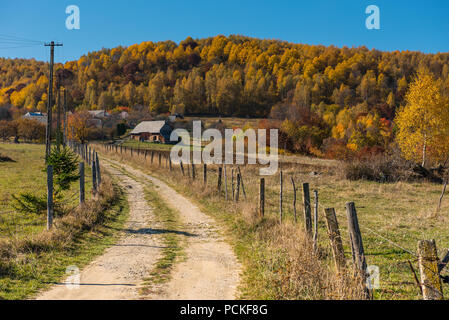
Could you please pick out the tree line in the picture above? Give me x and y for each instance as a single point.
(328, 101)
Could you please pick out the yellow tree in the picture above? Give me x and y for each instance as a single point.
(423, 122)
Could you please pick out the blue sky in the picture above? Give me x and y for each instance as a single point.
(405, 25)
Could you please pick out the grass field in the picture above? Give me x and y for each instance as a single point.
(400, 212)
(32, 258)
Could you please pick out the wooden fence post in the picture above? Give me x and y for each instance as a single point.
(226, 182)
(232, 184)
(152, 156)
(82, 184)
(97, 165)
(220, 172)
(205, 174)
(50, 211)
(193, 172)
(241, 180)
(315, 221)
(294, 199)
(94, 177)
(262, 197)
(281, 191)
(169, 162)
(333, 232)
(358, 253)
(428, 267)
(181, 167)
(160, 159)
(307, 209)
(355, 236)
(237, 193)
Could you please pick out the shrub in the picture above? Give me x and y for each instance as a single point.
(65, 167)
(29, 203)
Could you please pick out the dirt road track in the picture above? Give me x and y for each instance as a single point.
(209, 271)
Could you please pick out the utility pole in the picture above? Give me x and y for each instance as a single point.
(52, 46)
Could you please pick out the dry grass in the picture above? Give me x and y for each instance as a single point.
(279, 260)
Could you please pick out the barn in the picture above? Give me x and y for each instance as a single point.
(152, 131)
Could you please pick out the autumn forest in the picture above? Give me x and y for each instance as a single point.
(327, 101)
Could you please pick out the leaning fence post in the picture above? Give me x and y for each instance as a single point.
(307, 209)
(262, 197)
(49, 197)
(333, 232)
(428, 268)
(82, 185)
(169, 162)
(181, 167)
(358, 253)
(315, 220)
(241, 180)
(281, 191)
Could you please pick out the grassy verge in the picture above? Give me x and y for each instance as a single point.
(278, 261)
(400, 212)
(32, 258)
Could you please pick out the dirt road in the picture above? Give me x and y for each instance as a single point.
(210, 269)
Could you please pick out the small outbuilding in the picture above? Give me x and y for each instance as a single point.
(38, 116)
(152, 131)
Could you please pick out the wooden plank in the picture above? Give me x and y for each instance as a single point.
(307, 209)
(226, 182)
(333, 231)
(428, 267)
(205, 174)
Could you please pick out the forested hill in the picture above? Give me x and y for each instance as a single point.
(232, 75)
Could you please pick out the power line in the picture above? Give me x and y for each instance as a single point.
(15, 38)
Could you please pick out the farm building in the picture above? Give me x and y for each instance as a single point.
(39, 116)
(153, 131)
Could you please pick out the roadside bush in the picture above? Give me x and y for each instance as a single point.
(29, 203)
(379, 168)
(65, 167)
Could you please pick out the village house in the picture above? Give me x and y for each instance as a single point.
(152, 131)
(98, 117)
(39, 116)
